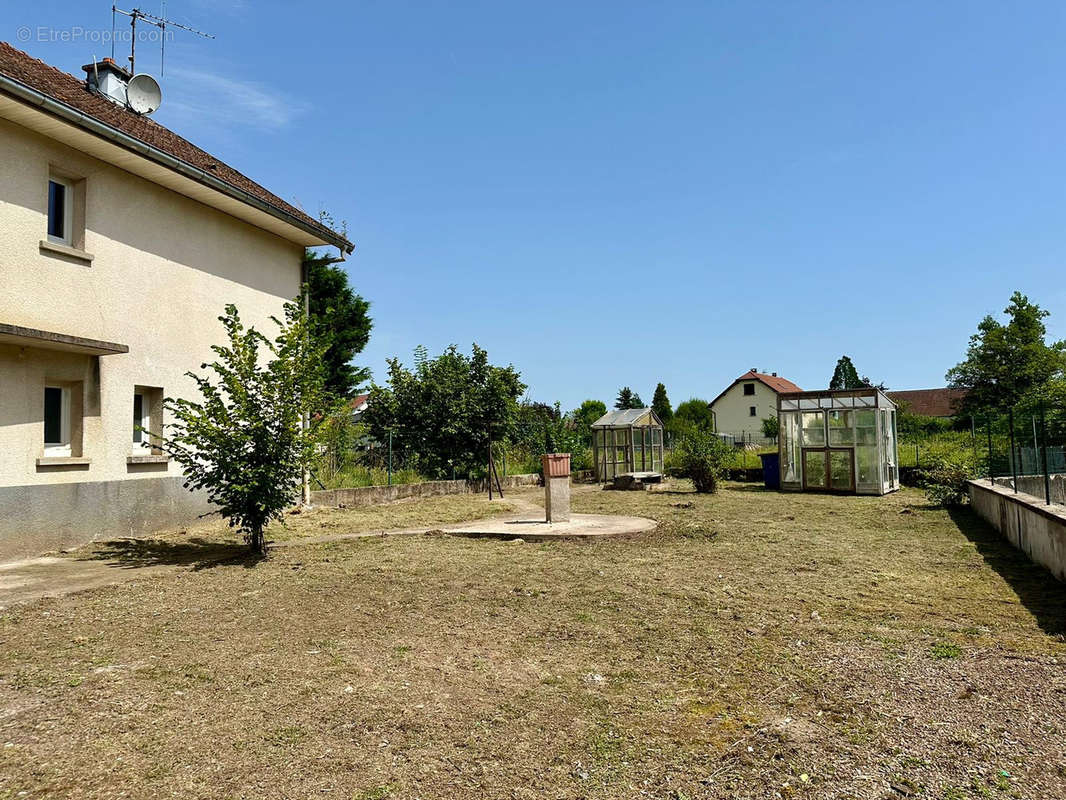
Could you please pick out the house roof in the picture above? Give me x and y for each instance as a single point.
(929, 402)
(624, 417)
(359, 400)
(73, 93)
(774, 382)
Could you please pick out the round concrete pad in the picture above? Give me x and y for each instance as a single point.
(580, 526)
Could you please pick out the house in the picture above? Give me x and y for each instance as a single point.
(746, 402)
(122, 244)
(359, 406)
(929, 402)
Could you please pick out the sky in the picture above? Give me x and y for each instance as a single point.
(622, 193)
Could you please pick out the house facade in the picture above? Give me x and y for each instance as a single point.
(122, 244)
(740, 409)
(942, 402)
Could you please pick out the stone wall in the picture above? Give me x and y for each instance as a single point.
(375, 495)
(1027, 522)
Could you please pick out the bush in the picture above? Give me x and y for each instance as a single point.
(945, 481)
(703, 458)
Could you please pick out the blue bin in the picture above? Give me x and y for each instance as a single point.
(771, 470)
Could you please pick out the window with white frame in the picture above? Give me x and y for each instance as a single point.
(60, 211)
(141, 421)
(147, 419)
(57, 421)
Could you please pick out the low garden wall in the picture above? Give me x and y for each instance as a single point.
(1027, 522)
(375, 495)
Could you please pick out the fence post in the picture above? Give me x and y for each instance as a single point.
(1013, 458)
(390, 458)
(988, 428)
(1043, 454)
(916, 464)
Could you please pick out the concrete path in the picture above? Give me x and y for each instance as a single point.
(120, 560)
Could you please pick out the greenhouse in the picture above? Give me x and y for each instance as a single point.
(838, 441)
(627, 441)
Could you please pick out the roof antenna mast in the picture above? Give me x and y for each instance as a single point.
(160, 22)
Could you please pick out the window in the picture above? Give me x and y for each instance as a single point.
(57, 421)
(147, 419)
(60, 211)
(140, 421)
(749, 388)
(751, 411)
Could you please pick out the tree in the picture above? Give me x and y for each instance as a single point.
(660, 404)
(845, 376)
(586, 414)
(702, 457)
(694, 413)
(1006, 364)
(444, 412)
(341, 318)
(771, 427)
(244, 442)
(627, 398)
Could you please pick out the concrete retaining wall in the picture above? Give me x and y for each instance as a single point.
(1034, 485)
(43, 518)
(375, 495)
(1035, 528)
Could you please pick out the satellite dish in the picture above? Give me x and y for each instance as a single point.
(143, 94)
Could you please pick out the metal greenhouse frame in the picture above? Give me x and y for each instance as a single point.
(627, 441)
(838, 441)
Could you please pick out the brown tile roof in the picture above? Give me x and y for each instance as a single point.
(775, 382)
(72, 91)
(929, 402)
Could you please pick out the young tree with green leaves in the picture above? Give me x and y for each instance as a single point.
(341, 319)
(1011, 363)
(771, 427)
(586, 414)
(660, 404)
(444, 412)
(845, 376)
(627, 398)
(702, 457)
(245, 442)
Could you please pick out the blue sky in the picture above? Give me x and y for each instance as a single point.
(622, 193)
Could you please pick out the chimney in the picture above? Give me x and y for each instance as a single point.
(773, 374)
(107, 78)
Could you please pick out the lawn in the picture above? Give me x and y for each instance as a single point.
(756, 645)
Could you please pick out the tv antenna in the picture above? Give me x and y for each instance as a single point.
(160, 22)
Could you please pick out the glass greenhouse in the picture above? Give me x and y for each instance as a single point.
(629, 440)
(838, 441)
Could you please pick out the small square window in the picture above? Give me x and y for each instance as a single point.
(749, 389)
(752, 412)
(60, 211)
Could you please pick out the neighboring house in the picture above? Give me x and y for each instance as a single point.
(929, 402)
(122, 244)
(746, 402)
(359, 406)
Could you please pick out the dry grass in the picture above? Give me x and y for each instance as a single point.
(756, 645)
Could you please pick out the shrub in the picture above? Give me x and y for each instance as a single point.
(703, 458)
(945, 481)
(771, 427)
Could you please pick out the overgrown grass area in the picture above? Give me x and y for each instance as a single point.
(352, 477)
(756, 645)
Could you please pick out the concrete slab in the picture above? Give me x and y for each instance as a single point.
(579, 526)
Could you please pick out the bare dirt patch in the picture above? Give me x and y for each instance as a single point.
(755, 645)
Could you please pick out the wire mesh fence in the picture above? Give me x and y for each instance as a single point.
(1022, 448)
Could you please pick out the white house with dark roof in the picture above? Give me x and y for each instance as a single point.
(742, 406)
(122, 244)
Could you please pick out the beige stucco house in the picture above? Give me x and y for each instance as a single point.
(121, 244)
(746, 402)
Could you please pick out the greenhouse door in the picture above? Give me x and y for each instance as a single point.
(829, 469)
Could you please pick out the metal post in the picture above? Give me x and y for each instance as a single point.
(988, 427)
(489, 473)
(1013, 459)
(390, 458)
(916, 454)
(1043, 454)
